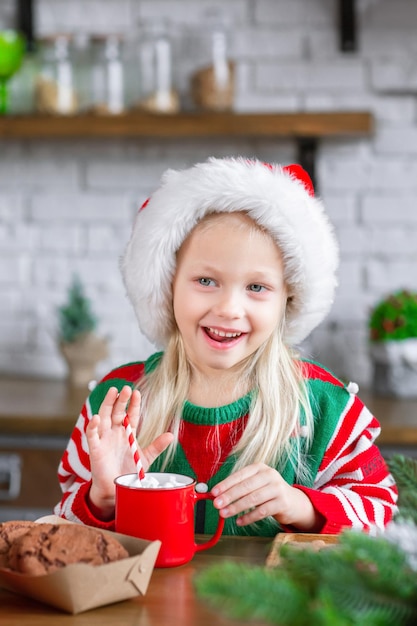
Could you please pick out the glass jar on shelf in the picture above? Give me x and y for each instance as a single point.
(56, 84)
(81, 55)
(22, 84)
(109, 94)
(157, 89)
(212, 84)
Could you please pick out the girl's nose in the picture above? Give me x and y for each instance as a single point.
(228, 305)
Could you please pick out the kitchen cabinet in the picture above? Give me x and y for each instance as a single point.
(28, 477)
(36, 420)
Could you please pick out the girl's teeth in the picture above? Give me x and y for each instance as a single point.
(221, 333)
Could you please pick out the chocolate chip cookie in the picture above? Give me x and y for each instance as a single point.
(9, 531)
(48, 547)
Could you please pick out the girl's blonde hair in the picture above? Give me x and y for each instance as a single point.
(279, 409)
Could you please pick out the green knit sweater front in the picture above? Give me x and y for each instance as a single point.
(329, 401)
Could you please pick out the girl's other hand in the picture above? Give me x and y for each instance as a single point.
(110, 452)
(258, 491)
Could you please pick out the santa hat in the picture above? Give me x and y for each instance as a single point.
(280, 199)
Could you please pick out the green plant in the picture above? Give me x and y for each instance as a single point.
(395, 317)
(363, 580)
(75, 317)
(404, 471)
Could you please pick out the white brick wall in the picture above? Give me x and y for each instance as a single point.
(68, 206)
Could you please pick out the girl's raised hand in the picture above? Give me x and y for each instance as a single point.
(110, 453)
(258, 491)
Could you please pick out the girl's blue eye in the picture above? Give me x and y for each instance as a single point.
(206, 282)
(256, 288)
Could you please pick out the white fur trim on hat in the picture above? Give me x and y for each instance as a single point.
(273, 197)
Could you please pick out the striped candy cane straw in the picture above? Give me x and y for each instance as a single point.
(134, 447)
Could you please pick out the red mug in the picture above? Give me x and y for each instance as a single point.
(165, 513)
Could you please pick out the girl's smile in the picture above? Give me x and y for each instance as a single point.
(222, 339)
(229, 293)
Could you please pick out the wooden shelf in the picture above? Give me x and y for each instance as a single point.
(135, 125)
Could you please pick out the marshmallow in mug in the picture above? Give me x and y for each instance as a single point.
(150, 482)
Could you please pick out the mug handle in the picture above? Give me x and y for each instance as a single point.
(220, 525)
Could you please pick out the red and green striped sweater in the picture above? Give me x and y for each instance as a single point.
(350, 484)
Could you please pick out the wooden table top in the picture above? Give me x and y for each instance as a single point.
(397, 416)
(39, 406)
(50, 407)
(170, 598)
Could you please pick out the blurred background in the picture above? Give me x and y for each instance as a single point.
(67, 205)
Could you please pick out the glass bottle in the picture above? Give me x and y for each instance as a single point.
(22, 85)
(158, 94)
(56, 90)
(213, 83)
(81, 56)
(108, 75)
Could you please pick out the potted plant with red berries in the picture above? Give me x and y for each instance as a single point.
(81, 348)
(393, 344)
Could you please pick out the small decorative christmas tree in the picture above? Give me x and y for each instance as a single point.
(80, 346)
(76, 317)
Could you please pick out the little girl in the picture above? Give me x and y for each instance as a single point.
(230, 265)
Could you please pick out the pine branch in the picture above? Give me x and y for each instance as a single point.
(403, 534)
(379, 564)
(363, 580)
(404, 470)
(253, 592)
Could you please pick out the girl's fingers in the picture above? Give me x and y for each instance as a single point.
(120, 405)
(154, 449)
(133, 410)
(106, 408)
(92, 426)
(257, 514)
(92, 432)
(114, 407)
(256, 490)
(256, 499)
(239, 484)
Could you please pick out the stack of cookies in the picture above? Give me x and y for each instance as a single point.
(41, 548)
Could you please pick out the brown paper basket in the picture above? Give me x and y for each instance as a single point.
(80, 587)
(301, 540)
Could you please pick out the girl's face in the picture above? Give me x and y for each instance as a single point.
(228, 292)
